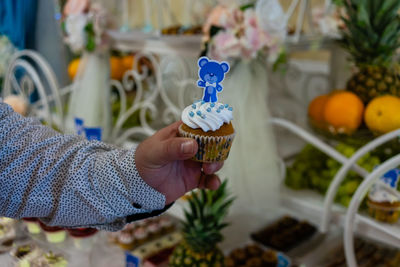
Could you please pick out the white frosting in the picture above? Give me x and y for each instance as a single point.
(207, 116)
(379, 194)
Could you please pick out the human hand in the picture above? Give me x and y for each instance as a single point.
(163, 161)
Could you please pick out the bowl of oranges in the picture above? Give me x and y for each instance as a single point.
(343, 114)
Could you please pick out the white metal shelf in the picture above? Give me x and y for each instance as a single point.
(310, 205)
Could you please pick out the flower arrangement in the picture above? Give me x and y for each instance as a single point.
(244, 32)
(328, 22)
(85, 25)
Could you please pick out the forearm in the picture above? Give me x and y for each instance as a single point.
(66, 180)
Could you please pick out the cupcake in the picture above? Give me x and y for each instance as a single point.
(32, 224)
(82, 237)
(25, 254)
(269, 258)
(207, 120)
(141, 235)
(53, 234)
(154, 230)
(166, 225)
(126, 240)
(50, 260)
(7, 236)
(383, 206)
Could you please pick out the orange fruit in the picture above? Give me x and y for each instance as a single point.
(117, 68)
(382, 114)
(343, 112)
(128, 61)
(73, 68)
(316, 108)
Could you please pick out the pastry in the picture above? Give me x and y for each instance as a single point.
(82, 237)
(50, 260)
(141, 235)
(32, 224)
(53, 234)
(239, 256)
(206, 120)
(154, 230)
(126, 241)
(383, 206)
(269, 258)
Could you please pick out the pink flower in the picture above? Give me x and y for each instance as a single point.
(214, 19)
(225, 45)
(76, 7)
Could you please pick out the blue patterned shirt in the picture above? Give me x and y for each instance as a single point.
(68, 181)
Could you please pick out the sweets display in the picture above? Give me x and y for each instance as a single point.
(367, 255)
(7, 233)
(138, 233)
(284, 234)
(253, 255)
(31, 255)
(206, 120)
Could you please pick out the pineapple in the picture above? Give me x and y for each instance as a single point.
(202, 229)
(372, 35)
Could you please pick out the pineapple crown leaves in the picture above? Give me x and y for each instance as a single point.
(204, 218)
(372, 31)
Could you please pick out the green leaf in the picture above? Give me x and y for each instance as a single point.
(246, 6)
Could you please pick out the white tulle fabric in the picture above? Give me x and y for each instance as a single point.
(90, 95)
(252, 167)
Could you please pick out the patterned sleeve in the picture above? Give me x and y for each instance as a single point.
(68, 181)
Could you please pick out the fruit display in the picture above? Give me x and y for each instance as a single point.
(284, 234)
(202, 229)
(312, 169)
(252, 255)
(371, 37)
(367, 254)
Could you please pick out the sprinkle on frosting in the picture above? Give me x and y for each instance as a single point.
(217, 115)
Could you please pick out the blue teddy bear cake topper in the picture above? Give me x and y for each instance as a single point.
(211, 74)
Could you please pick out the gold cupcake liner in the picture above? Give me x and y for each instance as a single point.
(211, 148)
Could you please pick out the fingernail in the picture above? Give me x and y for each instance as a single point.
(187, 147)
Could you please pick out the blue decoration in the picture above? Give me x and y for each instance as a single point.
(203, 102)
(211, 74)
(193, 106)
(226, 105)
(391, 178)
(221, 107)
(198, 113)
(191, 113)
(218, 111)
(212, 105)
(208, 109)
(230, 108)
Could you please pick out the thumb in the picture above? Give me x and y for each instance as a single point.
(174, 149)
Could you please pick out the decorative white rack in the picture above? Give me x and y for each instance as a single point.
(161, 97)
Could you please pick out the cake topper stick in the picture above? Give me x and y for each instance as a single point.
(211, 74)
